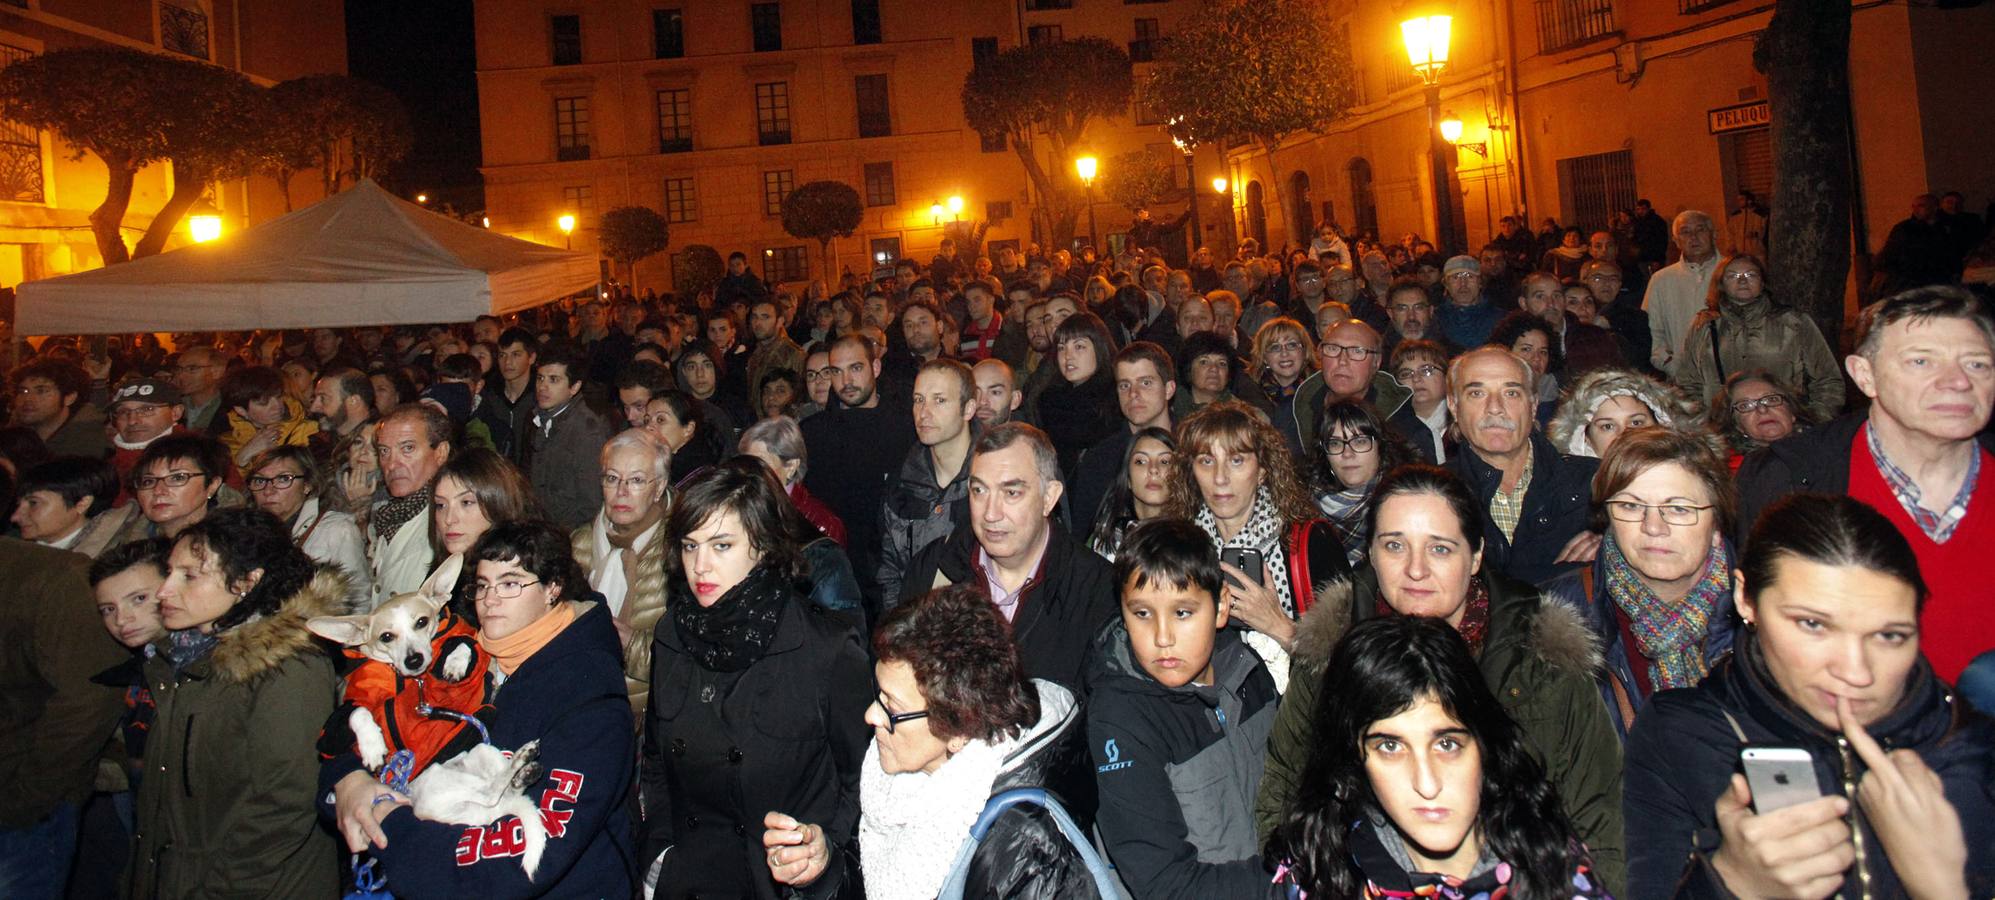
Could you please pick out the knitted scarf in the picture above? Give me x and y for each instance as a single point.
(1350, 510)
(736, 630)
(397, 511)
(912, 825)
(1670, 635)
(513, 650)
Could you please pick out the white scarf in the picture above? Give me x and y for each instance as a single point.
(1262, 532)
(912, 825)
(606, 570)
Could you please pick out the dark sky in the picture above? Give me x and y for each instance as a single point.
(423, 52)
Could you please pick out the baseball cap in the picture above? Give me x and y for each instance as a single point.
(1461, 264)
(147, 390)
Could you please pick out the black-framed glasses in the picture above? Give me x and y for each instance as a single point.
(1340, 351)
(504, 590)
(894, 718)
(1770, 401)
(1672, 513)
(171, 479)
(280, 482)
(1362, 443)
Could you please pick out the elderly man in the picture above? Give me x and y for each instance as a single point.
(1678, 291)
(1622, 309)
(1349, 360)
(1054, 592)
(1535, 501)
(1468, 316)
(929, 499)
(1920, 455)
(623, 548)
(412, 443)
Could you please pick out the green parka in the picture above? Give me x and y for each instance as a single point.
(226, 807)
(1539, 659)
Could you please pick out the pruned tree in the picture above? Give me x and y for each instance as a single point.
(1804, 52)
(700, 268)
(1254, 71)
(215, 134)
(354, 128)
(821, 211)
(631, 233)
(1053, 88)
(969, 237)
(1138, 179)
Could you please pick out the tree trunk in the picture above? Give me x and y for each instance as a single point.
(1054, 209)
(109, 216)
(830, 261)
(1804, 53)
(283, 180)
(186, 191)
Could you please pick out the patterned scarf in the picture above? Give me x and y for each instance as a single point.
(397, 511)
(1670, 635)
(187, 647)
(1262, 532)
(1349, 510)
(736, 630)
(1475, 614)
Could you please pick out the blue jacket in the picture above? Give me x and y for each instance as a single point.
(1558, 506)
(570, 696)
(1467, 326)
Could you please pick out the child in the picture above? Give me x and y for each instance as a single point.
(124, 581)
(1178, 723)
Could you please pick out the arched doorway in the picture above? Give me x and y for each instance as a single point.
(1301, 218)
(1257, 214)
(1364, 207)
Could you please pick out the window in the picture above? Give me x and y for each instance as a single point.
(865, 21)
(780, 264)
(880, 184)
(1747, 160)
(1144, 47)
(1145, 112)
(571, 128)
(983, 50)
(772, 112)
(566, 34)
(1036, 5)
(681, 204)
(1686, 7)
(675, 121)
(20, 149)
(1593, 188)
(1042, 34)
(767, 21)
(183, 28)
(775, 186)
(996, 211)
(579, 199)
(885, 251)
(1364, 204)
(668, 33)
(875, 117)
(1569, 23)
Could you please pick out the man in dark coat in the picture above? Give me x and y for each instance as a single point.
(855, 447)
(1535, 501)
(565, 440)
(739, 286)
(1918, 252)
(1651, 236)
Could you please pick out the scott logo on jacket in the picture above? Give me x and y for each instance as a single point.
(507, 838)
(1114, 755)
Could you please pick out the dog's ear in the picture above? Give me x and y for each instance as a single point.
(443, 581)
(347, 630)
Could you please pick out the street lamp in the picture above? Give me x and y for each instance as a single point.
(956, 207)
(1085, 167)
(1186, 146)
(422, 198)
(1427, 51)
(935, 214)
(1219, 186)
(204, 222)
(567, 223)
(1451, 131)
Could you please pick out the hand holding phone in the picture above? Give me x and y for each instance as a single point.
(1779, 777)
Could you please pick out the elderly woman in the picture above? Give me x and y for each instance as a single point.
(556, 678)
(285, 483)
(1607, 403)
(779, 444)
(1659, 594)
(755, 739)
(239, 697)
(1236, 480)
(1079, 408)
(1755, 409)
(1744, 326)
(956, 722)
(1283, 359)
(1353, 451)
(1537, 657)
(623, 548)
(1209, 372)
(1829, 663)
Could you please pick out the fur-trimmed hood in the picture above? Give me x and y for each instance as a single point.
(1671, 409)
(1557, 634)
(257, 647)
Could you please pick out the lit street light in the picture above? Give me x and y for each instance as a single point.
(1219, 185)
(1451, 131)
(1185, 146)
(1085, 167)
(204, 223)
(1427, 51)
(567, 223)
(422, 198)
(935, 214)
(956, 207)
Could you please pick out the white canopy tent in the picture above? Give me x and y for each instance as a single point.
(363, 257)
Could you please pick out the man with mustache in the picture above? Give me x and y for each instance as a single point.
(855, 445)
(1535, 501)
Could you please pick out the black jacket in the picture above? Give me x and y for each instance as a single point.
(1683, 751)
(854, 453)
(509, 420)
(563, 462)
(1078, 416)
(1557, 506)
(1024, 856)
(1094, 474)
(1814, 460)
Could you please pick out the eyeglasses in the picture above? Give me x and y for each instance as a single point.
(815, 375)
(1770, 401)
(1285, 347)
(135, 411)
(1340, 351)
(170, 479)
(504, 590)
(894, 718)
(1425, 371)
(1742, 276)
(281, 482)
(1672, 513)
(636, 483)
(1360, 444)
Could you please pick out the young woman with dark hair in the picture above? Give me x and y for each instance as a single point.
(1354, 450)
(1419, 783)
(1140, 491)
(687, 426)
(756, 736)
(1078, 409)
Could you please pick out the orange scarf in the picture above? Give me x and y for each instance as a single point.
(511, 651)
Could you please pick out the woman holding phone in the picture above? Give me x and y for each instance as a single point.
(1828, 666)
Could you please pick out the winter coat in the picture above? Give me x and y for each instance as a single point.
(1567, 430)
(331, 537)
(295, 430)
(1078, 416)
(833, 586)
(226, 807)
(1178, 769)
(1684, 749)
(918, 512)
(1557, 506)
(787, 734)
(569, 696)
(1385, 395)
(53, 720)
(1761, 335)
(565, 462)
(1094, 476)
(1540, 660)
(400, 559)
(853, 455)
(508, 420)
(102, 531)
(1466, 326)
(778, 352)
(643, 603)
(82, 434)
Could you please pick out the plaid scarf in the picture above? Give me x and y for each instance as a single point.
(1670, 636)
(397, 511)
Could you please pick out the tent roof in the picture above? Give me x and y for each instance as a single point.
(362, 257)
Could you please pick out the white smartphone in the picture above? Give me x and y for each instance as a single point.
(1779, 777)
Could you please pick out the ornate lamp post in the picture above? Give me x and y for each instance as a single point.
(1085, 167)
(1427, 50)
(1219, 186)
(1186, 146)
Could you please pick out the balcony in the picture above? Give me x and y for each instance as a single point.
(1569, 23)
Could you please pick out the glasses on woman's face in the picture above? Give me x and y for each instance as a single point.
(505, 589)
(1770, 401)
(280, 482)
(1742, 275)
(894, 718)
(636, 483)
(175, 480)
(1284, 347)
(1681, 514)
(1357, 444)
(1413, 372)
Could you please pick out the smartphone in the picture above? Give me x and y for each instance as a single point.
(1779, 777)
(1248, 561)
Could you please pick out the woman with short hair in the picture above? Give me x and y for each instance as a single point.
(1756, 409)
(622, 548)
(1283, 357)
(285, 483)
(1746, 325)
(68, 503)
(1354, 450)
(176, 483)
(687, 425)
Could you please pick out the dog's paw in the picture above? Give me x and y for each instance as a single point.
(457, 663)
(368, 740)
(527, 770)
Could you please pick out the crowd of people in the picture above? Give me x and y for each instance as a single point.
(1351, 571)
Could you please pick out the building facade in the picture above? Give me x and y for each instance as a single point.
(46, 196)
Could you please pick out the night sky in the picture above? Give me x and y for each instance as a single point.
(424, 53)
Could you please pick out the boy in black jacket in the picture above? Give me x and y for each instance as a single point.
(1178, 724)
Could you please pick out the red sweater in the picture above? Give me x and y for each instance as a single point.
(1959, 619)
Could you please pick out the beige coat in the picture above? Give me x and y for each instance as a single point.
(643, 605)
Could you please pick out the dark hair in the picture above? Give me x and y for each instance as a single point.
(249, 385)
(1142, 351)
(241, 540)
(542, 550)
(459, 367)
(308, 466)
(690, 411)
(144, 552)
(1420, 478)
(23, 446)
(1832, 531)
(566, 355)
(1168, 552)
(1088, 326)
(73, 478)
(203, 451)
(405, 389)
(964, 661)
(784, 375)
(1118, 505)
(68, 377)
(521, 336)
(1382, 668)
(1521, 323)
(1940, 301)
(651, 376)
(1206, 343)
(744, 486)
(1359, 417)
(353, 383)
(503, 491)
